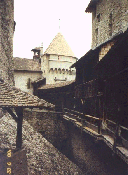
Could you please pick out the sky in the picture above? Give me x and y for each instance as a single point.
(38, 22)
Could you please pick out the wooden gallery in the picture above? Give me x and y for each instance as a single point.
(102, 86)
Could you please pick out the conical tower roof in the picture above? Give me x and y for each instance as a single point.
(59, 46)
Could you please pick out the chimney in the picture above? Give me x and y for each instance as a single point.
(36, 56)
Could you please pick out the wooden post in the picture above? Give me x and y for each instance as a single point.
(19, 112)
(99, 124)
(116, 136)
(82, 125)
(117, 129)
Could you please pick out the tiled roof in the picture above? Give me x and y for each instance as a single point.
(38, 80)
(59, 46)
(36, 48)
(11, 96)
(26, 64)
(50, 86)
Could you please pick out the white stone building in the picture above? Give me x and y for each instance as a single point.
(56, 61)
(25, 72)
(49, 68)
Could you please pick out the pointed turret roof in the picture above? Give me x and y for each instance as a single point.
(59, 46)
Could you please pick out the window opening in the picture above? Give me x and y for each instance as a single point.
(98, 17)
(28, 83)
(110, 24)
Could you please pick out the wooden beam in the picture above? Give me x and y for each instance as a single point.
(12, 114)
(19, 112)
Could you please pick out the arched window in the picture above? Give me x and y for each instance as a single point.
(63, 71)
(59, 71)
(66, 71)
(56, 70)
(51, 70)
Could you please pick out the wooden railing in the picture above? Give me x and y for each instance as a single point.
(86, 120)
(115, 130)
(89, 89)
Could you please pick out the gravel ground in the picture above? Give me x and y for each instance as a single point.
(42, 156)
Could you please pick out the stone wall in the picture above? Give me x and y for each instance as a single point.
(109, 18)
(21, 79)
(92, 157)
(104, 49)
(42, 157)
(56, 66)
(6, 41)
(49, 124)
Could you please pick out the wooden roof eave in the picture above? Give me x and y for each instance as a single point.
(86, 58)
(59, 90)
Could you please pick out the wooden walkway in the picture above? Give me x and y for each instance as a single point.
(97, 132)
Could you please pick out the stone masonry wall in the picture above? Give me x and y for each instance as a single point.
(42, 157)
(6, 39)
(47, 123)
(109, 18)
(92, 157)
(105, 49)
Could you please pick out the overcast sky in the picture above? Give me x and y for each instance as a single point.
(38, 21)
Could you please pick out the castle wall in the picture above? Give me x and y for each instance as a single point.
(21, 80)
(6, 40)
(109, 18)
(57, 67)
(104, 49)
(45, 64)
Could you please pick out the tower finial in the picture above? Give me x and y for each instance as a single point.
(42, 44)
(41, 49)
(59, 24)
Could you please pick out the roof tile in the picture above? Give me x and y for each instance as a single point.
(26, 64)
(11, 96)
(61, 84)
(59, 46)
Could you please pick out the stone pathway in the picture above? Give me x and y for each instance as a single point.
(42, 157)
